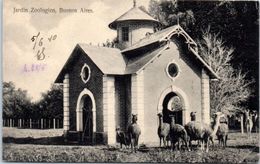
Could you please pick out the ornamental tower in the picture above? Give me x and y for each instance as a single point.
(132, 26)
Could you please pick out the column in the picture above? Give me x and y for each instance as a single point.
(66, 116)
(109, 108)
(137, 99)
(205, 97)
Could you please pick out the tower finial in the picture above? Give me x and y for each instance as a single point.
(134, 3)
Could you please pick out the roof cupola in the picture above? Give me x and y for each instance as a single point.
(133, 26)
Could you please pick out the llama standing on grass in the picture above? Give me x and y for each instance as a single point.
(122, 138)
(178, 133)
(134, 132)
(222, 134)
(203, 132)
(248, 122)
(163, 130)
(255, 119)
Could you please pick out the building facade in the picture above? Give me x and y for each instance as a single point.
(151, 71)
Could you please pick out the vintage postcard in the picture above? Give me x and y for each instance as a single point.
(130, 81)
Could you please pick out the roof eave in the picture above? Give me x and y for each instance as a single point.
(64, 69)
(113, 25)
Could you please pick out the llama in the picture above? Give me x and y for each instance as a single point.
(134, 132)
(193, 118)
(255, 119)
(163, 131)
(203, 132)
(178, 133)
(248, 122)
(122, 138)
(222, 134)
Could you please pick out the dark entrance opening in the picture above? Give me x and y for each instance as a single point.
(87, 134)
(172, 105)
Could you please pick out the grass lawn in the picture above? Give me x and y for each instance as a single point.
(240, 149)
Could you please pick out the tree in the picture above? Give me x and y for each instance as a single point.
(232, 90)
(16, 102)
(168, 13)
(51, 104)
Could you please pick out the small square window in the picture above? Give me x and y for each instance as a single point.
(125, 33)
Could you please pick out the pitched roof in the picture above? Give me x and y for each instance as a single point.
(136, 64)
(115, 62)
(108, 60)
(134, 14)
(164, 35)
(159, 36)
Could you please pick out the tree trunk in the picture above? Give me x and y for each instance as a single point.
(54, 123)
(10, 122)
(242, 124)
(30, 123)
(41, 123)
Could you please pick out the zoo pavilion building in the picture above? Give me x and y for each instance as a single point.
(151, 72)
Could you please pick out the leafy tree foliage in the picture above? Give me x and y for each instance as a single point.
(168, 13)
(232, 89)
(51, 104)
(16, 102)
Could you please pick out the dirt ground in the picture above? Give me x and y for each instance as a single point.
(23, 145)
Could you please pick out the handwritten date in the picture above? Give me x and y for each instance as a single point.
(39, 46)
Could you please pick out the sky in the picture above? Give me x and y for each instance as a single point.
(58, 35)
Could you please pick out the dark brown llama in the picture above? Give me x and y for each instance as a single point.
(178, 133)
(134, 132)
(122, 138)
(163, 131)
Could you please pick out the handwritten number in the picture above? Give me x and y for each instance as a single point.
(40, 54)
(40, 42)
(39, 45)
(33, 38)
(53, 37)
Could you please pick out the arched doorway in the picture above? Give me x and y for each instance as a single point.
(168, 98)
(86, 117)
(172, 105)
(87, 120)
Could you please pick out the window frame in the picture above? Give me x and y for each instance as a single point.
(178, 70)
(83, 72)
(125, 34)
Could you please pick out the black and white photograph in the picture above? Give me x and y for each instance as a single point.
(116, 81)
